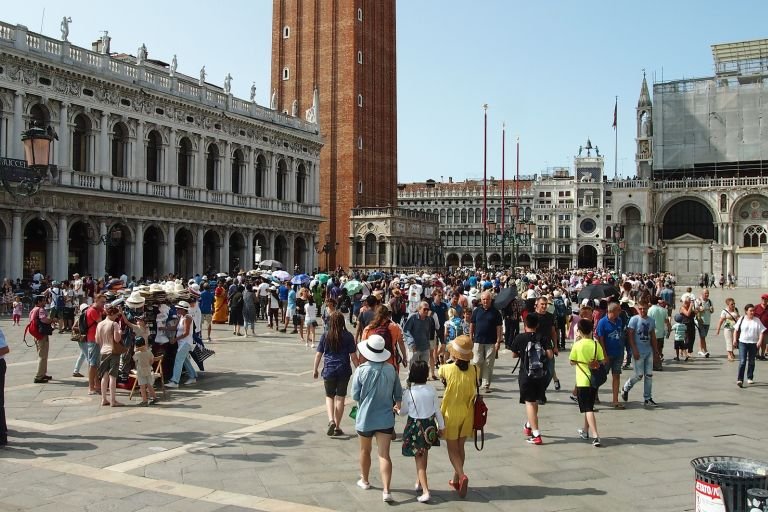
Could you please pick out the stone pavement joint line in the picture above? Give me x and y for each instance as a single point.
(140, 462)
(167, 487)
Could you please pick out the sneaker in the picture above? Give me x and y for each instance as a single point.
(750, 382)
(142, 404)
(650, 403)
(363, 485)
(171, 384)
(738, 383)
(583, 433)
(624, 395)
(702, 354)
(596, 442)
(387, 497)
(535, 440)
(77, 374)
(557, 385)
(706, 354)
(190, 381)
(331, 428)
(626, 366)
(527, 431)
(424, 498)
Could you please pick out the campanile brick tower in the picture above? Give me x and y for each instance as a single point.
(345, 49)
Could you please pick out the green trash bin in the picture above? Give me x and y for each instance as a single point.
(722, 482)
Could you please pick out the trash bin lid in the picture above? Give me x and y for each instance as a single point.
(730, 466)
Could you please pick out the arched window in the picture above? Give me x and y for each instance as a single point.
(282, 175)
(39, 115)
(212, 167)
(463, 216)
(301, 184)
(119, 150)
(471, 216)
(81, 143)
(442, 216)
(238, 164)
(755, 236)
(370, 245)
(261, 166)
(154, 144)
(184, 161)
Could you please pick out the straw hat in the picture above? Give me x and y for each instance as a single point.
(183, 305)
(178, 287)
(194, 289)
(373, 349)
(461, 348)
(135, 300)
(156, 288)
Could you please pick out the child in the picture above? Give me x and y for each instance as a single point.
(328, 308)
(144, 359)
(585, 354)
(452, 328)
(679, 330)
(17, 307)
(310, 319)
(425, 423)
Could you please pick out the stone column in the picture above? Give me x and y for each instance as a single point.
(249, 186)
(104, 164)
(17, 128)
(290, 253)
(199, 177)
(224, 252)
(388, 255)
(101, 251)
(63, 252)
(272, 178)
(225, 174)
(269, 252)
(171, 174)
(198, 261)
(63, 144)
(138, 258)
(17, 247)
(247, 263)
(170, 250)
(138, 169)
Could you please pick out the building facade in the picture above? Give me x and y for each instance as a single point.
(158, 172)
(335, 61)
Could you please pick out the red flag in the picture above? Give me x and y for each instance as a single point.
(615, 111)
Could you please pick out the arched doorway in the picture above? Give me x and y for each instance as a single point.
(80, 250)
(183, 253)
(494, 260)
(281, 251)
(300, 255)
(587, 257)
(211, 245)
(688, 231)
(152, 263)
(237, 259)
(524, 260)
(452, 261)
(631, 259)
(467, 260)
(118, 256)
(36, 235)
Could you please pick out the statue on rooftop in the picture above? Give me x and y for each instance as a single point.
(253, 92)
(202, 76)
(174, 65)
(105, 41)
(228, 83)
(273, 100)
(142, 54)
(65, 21)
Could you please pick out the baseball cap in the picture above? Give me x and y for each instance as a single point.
(764, 296)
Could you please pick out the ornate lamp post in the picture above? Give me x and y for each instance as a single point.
(616, 244)
(521, 237)
(22, 178)
(326, 248)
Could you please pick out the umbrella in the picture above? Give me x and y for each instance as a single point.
(281, 275)
(222, 274)
(505, 296)
(352, 287)
(300, 279)
(323, 278)
(597, 291)
(273, 264)
(375, 276)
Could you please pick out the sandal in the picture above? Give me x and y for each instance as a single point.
(617, 405)
(453, 484)
(463, 485)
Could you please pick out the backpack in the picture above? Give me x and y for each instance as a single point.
(58, 301)
(82, 325)
(35, 327)
(383, 331)
(479, 416)
(560, 310)
(537, 358)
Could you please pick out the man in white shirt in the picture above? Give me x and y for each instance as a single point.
(77, 287)
(263, 293)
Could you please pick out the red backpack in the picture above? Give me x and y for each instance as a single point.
(32, 327)
(383, 331)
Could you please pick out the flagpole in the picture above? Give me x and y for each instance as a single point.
(503, 186)
(485, 184)
(616, 139)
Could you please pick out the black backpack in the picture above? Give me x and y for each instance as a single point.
(537, 358)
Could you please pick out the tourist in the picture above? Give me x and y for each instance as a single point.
(610, 333)
(143, 359)
(108, 337)
(4, 350)
(688, 311)
(220, 308)
(310, 320)
(728, 318)
(375, 387)
(40, 316)
(424, 426)
(461, 379)
(586, 354)
(206, 308)
(704, 310)
(761, 313)
(750, 334)
(184, 343)
(486, 331)
(249, 309)
(641, 334)
(236, 305)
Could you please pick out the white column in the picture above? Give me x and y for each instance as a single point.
(247, 263)
(224, 253)
(198, 262)
(17, 128)
(101, 251)
(170, 249)
(17, 248)
(290, 240)
(171, 174)
(249, 185)
(104, 164)
(138, 258)
(272, 194)
(138, 171)
(63, 144)
(63, 253)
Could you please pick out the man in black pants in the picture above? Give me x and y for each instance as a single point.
(3, 427)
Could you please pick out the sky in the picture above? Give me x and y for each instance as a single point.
(549, 69)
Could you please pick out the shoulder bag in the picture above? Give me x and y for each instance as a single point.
(430, 433)
(598, 371)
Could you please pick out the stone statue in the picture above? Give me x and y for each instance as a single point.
(65, 21)
(597, 151)
(311, 113)
(253, 92)
(273, 100)
(295, 108)
(105, 41)
(228, 83)
(645, 125)
(202, 76)
(581, 148)
(142, 54)
(174, 65)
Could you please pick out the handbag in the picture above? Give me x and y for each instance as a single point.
(202, 353)
(598, 374)
(480, 415)
(430, 433)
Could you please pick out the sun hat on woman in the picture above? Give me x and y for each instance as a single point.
(373, 349)
(461, 348)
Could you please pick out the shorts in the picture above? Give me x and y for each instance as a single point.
(56, 313)
(614, 364)
(290, 312)
(207, 319)
(440, 335)
(310, 322)
(703, 329)
(420, 355)
(532, 390)
(283, 304)
(586, 398)
(298, 320)
(145, 381)
(336, 386)
(93, 354)
(110, 363)
(68, 314)
(680, 344)
(432, 344)
(371, 433)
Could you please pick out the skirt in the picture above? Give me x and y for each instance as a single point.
(419, 435)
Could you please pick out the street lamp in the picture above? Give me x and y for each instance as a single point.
(327, 248)
(112, 238)
(521, 237)
(22, 178)
(616, 244)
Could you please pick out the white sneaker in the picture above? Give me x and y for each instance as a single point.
(363, 485)
(750, 382)
(171, 384)
(702, 354)
(387, 497)
(190, 381)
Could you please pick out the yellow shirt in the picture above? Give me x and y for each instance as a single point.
(583, 353)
